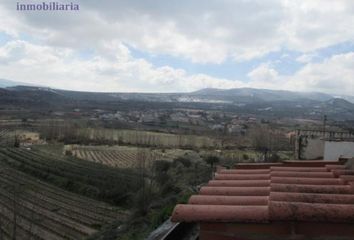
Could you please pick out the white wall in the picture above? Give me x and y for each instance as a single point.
(333, 150)
(314, 149)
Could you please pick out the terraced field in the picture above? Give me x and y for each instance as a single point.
(5, 137)
(33, 209)
(3, 132)
(120, 157)
(111, 185)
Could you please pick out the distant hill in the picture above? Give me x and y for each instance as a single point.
(207, 95)
(262, 102)
(340, 103)
(8, 83)
(260, 94)
(346, 97)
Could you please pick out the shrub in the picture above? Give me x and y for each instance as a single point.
(183, 160)
(211, 160)
(161, 166)
(274, 157)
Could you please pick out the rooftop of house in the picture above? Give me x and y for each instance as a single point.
(281, 198)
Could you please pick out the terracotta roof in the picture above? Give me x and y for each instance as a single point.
(292, 163)
(320, 193)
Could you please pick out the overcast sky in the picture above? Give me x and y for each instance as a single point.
(184, 45)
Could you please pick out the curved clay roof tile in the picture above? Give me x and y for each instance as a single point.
(299, 169)
(341, 172)
(212, 213)
(244, 171)
(291, 211)
(312, 197)
(235, 191)
(242, 176)
(335, 189)
(334, 166)
(307, 181)
(239, 183)
(228, 200)
(302, 174)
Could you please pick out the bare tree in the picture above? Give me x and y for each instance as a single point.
(261, 140)
(16, 140)
(268, 141)
(212, 160)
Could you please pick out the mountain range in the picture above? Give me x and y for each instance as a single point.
(244, 100)
(208, 95)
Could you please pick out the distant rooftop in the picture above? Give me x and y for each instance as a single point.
(290, 200)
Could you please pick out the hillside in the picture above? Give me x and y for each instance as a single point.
(268, 103)
(253, 95)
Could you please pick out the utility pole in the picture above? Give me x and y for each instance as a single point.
(324, 125)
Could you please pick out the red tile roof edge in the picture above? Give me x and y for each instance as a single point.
(290, 163)
(320, 194)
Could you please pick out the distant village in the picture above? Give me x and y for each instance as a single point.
(213, 120)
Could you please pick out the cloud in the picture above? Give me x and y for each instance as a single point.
(90, 49)
(114, 70)
(306, 58)
(317, 24)
(334, 75)
(203, 33)
(119, 71)
(263, 73)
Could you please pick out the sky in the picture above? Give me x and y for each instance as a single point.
(181, 46)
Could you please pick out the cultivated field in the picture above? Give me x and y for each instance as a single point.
(83, 177)
(121, 157)
(6, 137)
(3, 132)
(33, 209)
(146, 138)
(127, 157)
